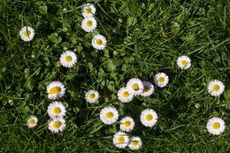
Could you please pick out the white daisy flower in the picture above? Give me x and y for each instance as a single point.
(89, 24)
(148, 117)
(124, 95)
(57, 124)
(184, 62)
(109, 115)
(55, 90)
(135, 86)
(92, 96)
(127, 124)
(148, 89)
(99, 42)
(88, 10)
(161, 79)
(216, 126)
(135, 143)
(120, 140)
(216, 88)
(27, 33)
(68, 59)
(32, 121)
(56, 109)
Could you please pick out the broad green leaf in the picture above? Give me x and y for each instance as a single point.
(131, 21)
(227, 94)
(43, 9)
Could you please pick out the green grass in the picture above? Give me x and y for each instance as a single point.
(144, 37)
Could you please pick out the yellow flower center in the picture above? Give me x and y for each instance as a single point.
(57, 124)
(27, 33)
(135, 86)
(183, 62)
(89, 23)
(121, 139)
(161, 79)
(134, 143)
(125, 94)
(92, 96)
(88, 10)
(55, 90)
(146, 88)
(109, 115)
(32, 121)
(216, 88)
(56, 110)
(149, 117)
(216, 125)
(99, 42)
(68, 58)
(127, 124)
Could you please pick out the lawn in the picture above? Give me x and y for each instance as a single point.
(144, 37)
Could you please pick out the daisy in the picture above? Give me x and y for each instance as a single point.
(135, 143)
(56, 109)
(148, 89)
(124, 95)
(148, 117)
(57, 124)
(88, 10)
(120, 140)
(184, 62)
(127, 124)
(216, 126)
(135, 86)
(92, 96)
(27, 33)
(68, 59)
(55, 90)
(216, 88)
(109, 115)
(161, 79)
(89, 24)
(99, 42)
(32, 121)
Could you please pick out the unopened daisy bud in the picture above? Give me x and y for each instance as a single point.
(27, 70)
(11, 102)
(32, 55)
(197, 105)
(58, 64)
